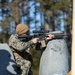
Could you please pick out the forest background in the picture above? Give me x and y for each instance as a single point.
(51, 14)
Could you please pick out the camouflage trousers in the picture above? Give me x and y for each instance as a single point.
(23, 64)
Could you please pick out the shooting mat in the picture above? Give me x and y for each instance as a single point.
(7, 63)
(55, 59)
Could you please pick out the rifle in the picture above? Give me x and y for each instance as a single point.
(42, 34)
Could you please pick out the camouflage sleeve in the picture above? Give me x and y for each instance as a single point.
(19, 45)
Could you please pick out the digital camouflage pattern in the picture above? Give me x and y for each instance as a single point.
(23, 64)
(21, 47)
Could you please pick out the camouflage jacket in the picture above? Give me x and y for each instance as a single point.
(19, 45)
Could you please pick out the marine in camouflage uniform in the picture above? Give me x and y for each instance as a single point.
(19, 48)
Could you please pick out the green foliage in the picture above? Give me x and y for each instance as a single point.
(54, 5)
(5, 23)
(53, 8)
(36, 60)
(1, 5)
(68, 20)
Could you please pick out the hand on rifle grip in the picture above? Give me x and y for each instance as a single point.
(35, 40)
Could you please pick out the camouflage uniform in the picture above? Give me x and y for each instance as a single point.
(19, 48)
